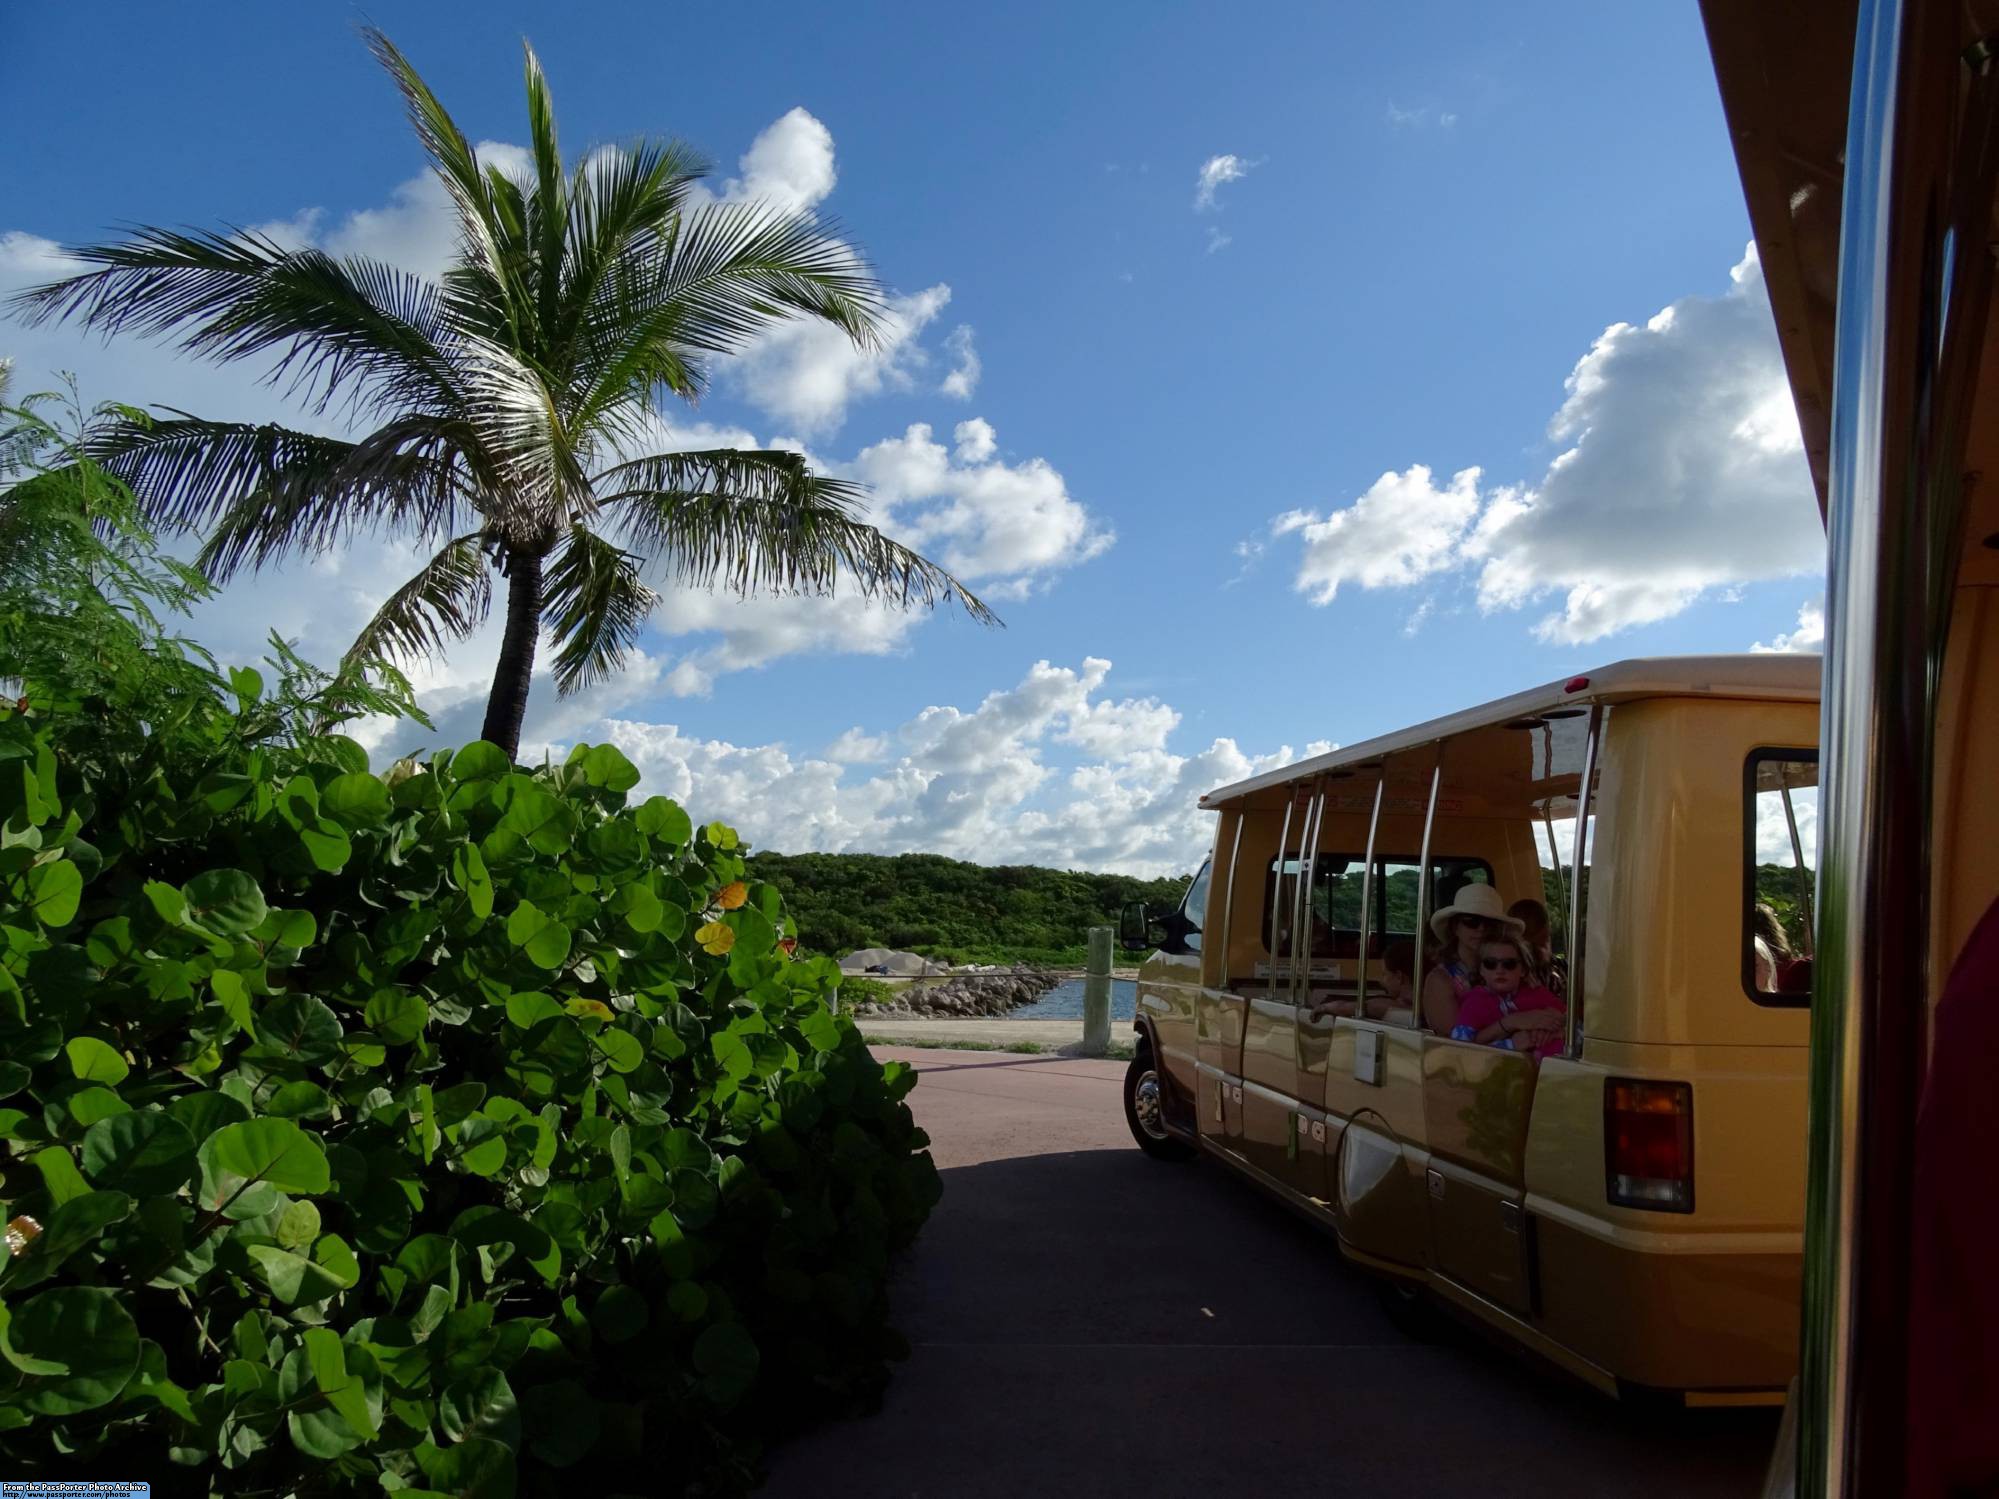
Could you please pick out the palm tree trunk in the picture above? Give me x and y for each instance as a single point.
(507, 704)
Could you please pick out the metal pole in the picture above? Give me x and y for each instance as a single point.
(1572, 1021)
(1301, 902)
(1423, 886)
(1367, 901)
(1097, 994)
(1277, 894)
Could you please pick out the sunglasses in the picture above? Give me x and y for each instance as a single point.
(1483, 923)
(1504, 965)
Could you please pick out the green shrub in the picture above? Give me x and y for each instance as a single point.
(419, 1125)
(460, 1130)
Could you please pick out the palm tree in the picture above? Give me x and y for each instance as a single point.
(513, 402)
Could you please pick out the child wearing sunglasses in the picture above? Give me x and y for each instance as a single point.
(1510, 1008)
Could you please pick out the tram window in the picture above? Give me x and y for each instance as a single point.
(1336, 894)
(1780, 863)
(1397, 912)
(1194, 909)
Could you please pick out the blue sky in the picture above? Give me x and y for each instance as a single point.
(1433, 215)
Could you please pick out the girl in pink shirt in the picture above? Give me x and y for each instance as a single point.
(1510, 1009)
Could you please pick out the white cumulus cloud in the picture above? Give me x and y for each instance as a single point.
(963, 380)
(1215, 172)
(981, 517)
(1053, 770)
(1806, 639)
(1403, 529)
(1681, 474)
(805, 374)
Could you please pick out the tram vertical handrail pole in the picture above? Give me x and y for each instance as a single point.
(1423, 886)
(1277, 895)
(1228, 903)
(1870, 971)
(1572, 1019)
(1367, 901)
(1301, 899)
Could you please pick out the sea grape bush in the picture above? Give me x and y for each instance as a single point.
(458, 1130)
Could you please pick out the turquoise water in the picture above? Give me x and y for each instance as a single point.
(1065, 1002)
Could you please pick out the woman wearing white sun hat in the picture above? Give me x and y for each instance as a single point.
(1476, 913)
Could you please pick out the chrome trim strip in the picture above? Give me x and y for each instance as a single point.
(1561, 875)
(1798, 865)
(1284, 1100)
(1301, 904)
(1572, 1020)
(1228, 901)
(1423, 890)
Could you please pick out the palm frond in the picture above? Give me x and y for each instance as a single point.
(548, 213)
(446, 601)
(597, 604)
(762, 522)
(621, 204)
(730, 270)
(483, 291)
(328, 323)
(259, 492)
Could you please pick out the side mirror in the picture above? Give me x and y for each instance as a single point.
(1133, 929)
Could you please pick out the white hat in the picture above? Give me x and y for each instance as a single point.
(1475, 900)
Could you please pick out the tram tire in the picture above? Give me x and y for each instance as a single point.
(1145, 1110)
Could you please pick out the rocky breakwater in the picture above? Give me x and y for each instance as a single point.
(966, 996)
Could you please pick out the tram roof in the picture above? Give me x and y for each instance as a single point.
(1785, 70)
(1767, 677)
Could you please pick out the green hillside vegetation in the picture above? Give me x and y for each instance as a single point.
(949, 910)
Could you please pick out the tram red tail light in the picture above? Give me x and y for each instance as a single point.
(1648, 1144)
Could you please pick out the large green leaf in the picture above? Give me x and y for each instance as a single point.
(468, 873)
(481, 760)
(665, 820)
(54, 892)
(481, 1404)
(77, 1345)
(397, 1016)
(544, 937)
(326, 844)
(298, 1028)
(476, 1468)
(145, 1152)
(228, 902)
(245, 1166)
(605, 765)
(356, 800)
(543, 821)
(95, 1061)
(336, 1391)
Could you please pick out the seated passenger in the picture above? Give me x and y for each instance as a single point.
(1476, 914)
(1772, 946)
(1540, 946)
(1510, 1009)
(1398, 960)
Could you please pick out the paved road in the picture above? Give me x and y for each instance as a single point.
(1088, 1321)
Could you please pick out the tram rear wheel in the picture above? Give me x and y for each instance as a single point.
(1145, 1110)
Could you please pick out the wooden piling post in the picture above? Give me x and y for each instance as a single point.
(1097, 995)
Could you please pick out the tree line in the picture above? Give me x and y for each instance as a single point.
(951, 910)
